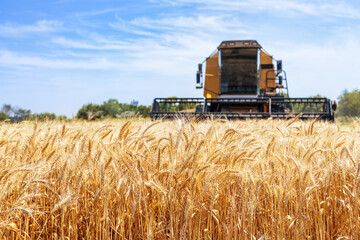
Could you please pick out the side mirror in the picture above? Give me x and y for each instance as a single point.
(334, 105)
(199, 73)
(280, 80)
(198, 76)
(279, 65)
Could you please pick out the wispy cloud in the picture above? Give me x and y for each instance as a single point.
(91, 44)
(167, 36)
(10, 29)
(13, 59)
(183, 32)
(124, 26)
(323, 8)
(98, 12)
(198, 23)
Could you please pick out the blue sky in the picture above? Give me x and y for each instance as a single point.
(57, 55)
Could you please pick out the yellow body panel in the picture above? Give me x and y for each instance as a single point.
(267, 59)
(211, 88)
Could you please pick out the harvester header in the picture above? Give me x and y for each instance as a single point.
(240, 81)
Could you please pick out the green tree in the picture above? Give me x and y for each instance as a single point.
(144, 110)
(111, 108)
(3, 116)
(6, 108)
(89, 109)
(349, 103)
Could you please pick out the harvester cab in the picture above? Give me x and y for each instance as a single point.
(241, 80)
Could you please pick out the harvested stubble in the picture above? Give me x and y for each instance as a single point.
(179, 180)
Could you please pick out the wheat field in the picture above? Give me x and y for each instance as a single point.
(179, 180)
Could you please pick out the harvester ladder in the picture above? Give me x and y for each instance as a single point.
(276, 79)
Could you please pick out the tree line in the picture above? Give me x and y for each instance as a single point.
(113, 109)
(16, 114)
(348, 106)
(108, 109)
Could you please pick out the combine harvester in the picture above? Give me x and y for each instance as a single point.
(241, 82)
